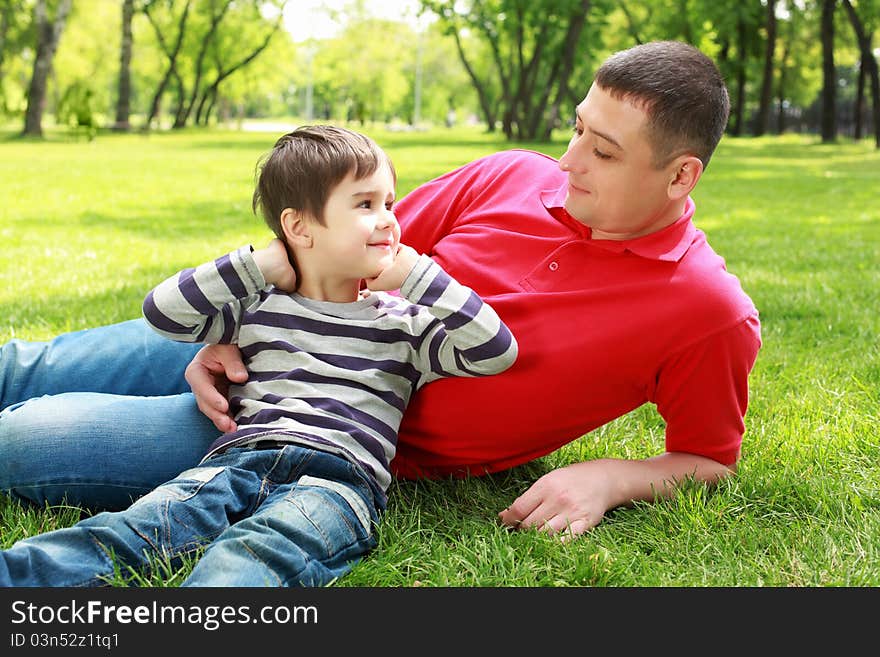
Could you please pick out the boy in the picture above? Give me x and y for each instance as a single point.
(290, 496)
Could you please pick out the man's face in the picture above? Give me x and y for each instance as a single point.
(613, 185)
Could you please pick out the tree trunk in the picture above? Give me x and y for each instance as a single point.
(869, 62)
(123, 100)
(482, 95)
(172, 60)
(183, 117)
(212, 99)
(48, 35)
(569, 49)
(829, 83)
(874, 74)
(506, 99)
(222, 74)
(4, 31)
(762, 122)
(740, 104)
(200, 109)
(180, 110)
(860, 98)
(5, 12)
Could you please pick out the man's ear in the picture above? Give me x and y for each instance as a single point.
(686, 171)
(297, 228)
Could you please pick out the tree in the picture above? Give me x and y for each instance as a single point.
(6, 10)
(868, 64)
(205, 42)
(48, 35)
(746, 17)
(185, 107)
(762, 121)
(532, 48)
(224, 67)
(171, 52)
(784, 65)
(123, 99)
(829, 76)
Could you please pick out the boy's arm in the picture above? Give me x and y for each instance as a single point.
(204, 304)
(468, 338)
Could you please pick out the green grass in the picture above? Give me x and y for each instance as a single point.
(87, 228)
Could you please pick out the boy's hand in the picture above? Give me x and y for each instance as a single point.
(274, 263)
(392, 277)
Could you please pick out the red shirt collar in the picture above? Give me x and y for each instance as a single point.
(668, 244)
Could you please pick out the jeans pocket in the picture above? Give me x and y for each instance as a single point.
(352, 498)
(183, 487)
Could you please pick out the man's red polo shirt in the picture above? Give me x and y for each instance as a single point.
(603, 326)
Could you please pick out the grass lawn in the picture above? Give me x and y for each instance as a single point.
(86, 228)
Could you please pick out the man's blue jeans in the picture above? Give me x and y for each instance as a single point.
(97, 417)
(269, 517)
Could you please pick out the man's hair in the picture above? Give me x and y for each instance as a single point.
(679, 88)
(304, 167)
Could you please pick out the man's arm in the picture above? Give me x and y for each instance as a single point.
(575, 498)
(209, 374)
(702, 394)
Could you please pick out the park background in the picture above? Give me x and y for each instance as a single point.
(129, 134)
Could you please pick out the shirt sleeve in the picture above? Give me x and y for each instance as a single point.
(205, 304)
(466, 336)
(702, 393)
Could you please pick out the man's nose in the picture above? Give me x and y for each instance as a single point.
(573, 160)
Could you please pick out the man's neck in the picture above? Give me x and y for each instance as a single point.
(669, 216)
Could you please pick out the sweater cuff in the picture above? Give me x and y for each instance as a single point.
(243, 261)
(423, 265)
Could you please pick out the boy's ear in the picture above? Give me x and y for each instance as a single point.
(297, 229)
(686, 172)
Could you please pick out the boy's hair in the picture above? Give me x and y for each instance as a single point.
(679, 88)
(304, 167)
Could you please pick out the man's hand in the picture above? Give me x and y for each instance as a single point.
(209, 375)
(570, 500)
(573, 499)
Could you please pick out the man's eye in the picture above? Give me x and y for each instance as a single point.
(578, 130)
(600, 154)
(389, 206)
(365, 204)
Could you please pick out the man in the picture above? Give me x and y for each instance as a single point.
(594, 263)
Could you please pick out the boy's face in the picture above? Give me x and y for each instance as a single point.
(361, 234)
(614, 187)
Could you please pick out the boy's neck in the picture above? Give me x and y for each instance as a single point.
(340, 291)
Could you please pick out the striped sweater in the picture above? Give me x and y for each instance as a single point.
(333, 376)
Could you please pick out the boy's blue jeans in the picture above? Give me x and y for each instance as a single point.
(269, 517)
(97, 417)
